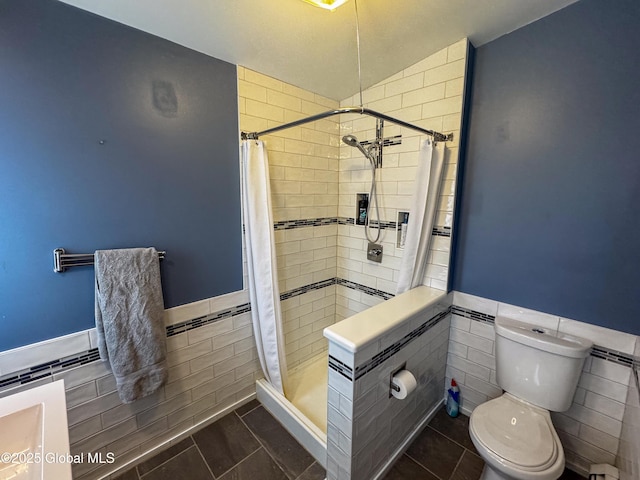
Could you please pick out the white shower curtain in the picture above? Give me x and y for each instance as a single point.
(424, 205)
(261, 263)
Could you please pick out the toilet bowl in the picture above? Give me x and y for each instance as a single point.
(516, 440)
(539, 371)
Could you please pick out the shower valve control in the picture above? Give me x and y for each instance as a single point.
(374, 252)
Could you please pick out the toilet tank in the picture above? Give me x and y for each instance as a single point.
(537, 365)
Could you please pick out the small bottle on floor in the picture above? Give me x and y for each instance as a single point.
(453, 399)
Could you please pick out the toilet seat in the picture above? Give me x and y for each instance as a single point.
(518, 435)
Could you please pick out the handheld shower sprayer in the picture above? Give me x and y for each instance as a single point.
(369, 153)
(352, 141)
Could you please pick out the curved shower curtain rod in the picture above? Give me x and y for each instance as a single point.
(437, 136)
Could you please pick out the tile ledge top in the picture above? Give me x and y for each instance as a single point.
(357, 331)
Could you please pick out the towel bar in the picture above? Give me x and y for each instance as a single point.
(63, 260)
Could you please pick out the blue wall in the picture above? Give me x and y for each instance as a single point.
(549, 217)
(166, 175)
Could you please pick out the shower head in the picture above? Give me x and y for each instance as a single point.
(352, 141)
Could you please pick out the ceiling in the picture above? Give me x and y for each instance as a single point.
(316, 49)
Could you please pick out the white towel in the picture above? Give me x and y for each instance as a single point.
(130, 319)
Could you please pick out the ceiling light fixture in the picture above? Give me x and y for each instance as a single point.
(327, 4)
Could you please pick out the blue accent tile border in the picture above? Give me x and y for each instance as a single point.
(597, 351)
(614, 356)
(308, 222)
(346, 221)
(379, 358)
(52, 367)
(31, 374)
(391, 350)
(336, 281)
(341, 368)
(385, 225)
(472, 314)
(308, 288)
(363, 288)
(442, 231)
(187, 325)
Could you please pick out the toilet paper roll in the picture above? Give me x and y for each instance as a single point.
(406, 383)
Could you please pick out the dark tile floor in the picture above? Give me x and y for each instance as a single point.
(444, 451)
(249, 444)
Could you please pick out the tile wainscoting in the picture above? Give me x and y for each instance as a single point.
(591, 429)
(213, 367)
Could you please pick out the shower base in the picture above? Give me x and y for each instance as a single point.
(304, 413)
(308, 389)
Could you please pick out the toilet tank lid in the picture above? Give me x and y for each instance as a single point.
(543, 339)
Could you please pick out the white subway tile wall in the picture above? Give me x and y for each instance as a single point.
(590, 430)
(314, 176)
(303, 160)
(211, 368)
(430, 95)
(303, 169)
(365, 425)
(305, 316)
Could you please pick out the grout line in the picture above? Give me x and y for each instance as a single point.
(204, 459)
(165, 462)
(421, 465)
(263, 446)
(246, 458)
(464, 451)
(249, 411)
(234, 466)
(449, 438)
(307, 469)
(259, 441)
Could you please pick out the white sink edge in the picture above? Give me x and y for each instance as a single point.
(55, 448)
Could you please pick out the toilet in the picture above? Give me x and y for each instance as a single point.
(539, 371)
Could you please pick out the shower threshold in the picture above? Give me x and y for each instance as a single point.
(304, 414)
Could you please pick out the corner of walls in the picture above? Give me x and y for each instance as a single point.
(462, 160)
(303, 171)
(314, 179)
(591, 430)
(430, 95)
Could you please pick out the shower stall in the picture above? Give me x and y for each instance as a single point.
(318, 166)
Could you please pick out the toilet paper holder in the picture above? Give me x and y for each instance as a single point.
(392, 385)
